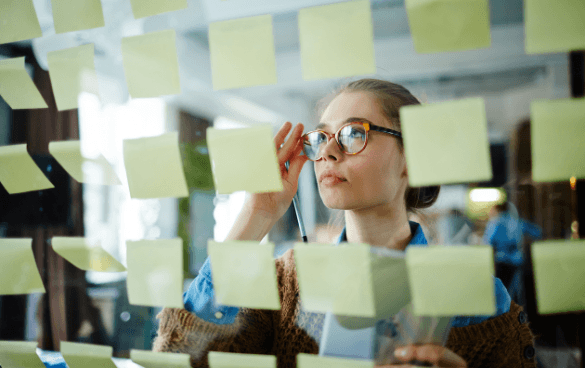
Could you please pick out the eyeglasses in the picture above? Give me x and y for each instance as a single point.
(351, 138)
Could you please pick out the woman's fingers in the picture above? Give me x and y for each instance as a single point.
(281, 134)
(437, 355)
(296, 164)
(287, 150)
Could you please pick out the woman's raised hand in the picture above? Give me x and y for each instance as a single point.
(438, 356)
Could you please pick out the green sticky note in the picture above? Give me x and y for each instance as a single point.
(242, 52)
(335, 279)
(78, 355)
(557, 131)
(451, 280)
(85, 255)
(244, 159)
(448, 25)
(316, 361)
(236, 360)
(151, 359)
(244, 274)
(151, 64)
(554, 26)
(154, 167)
(18, 171)
(18, 269)
(559, 275)
(155, 272)
(337, 40)
(446, 143)
(16, 87)
(147, 8)
(18, 21)
(19, 354)
(77, 15)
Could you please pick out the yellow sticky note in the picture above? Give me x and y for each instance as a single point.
(244, 159)
(19, 354)
(337, 40)
(554, 26)
(147, 8)
(316, 361)
(151, 359)
(335, 279)
(451, 280)
(78, 355)
(557, 132)
(18, 269)
(151, 64)
(244, 274)
(559, 275)
(236, 360)
(154, 167)
(155, 272)
(83, 169)
(84, 255)
(18, 21)
(446, 143)
(449, 25)
(242, 52)
(77, 15)
(72, 71)
(16, 87)
(18, 171)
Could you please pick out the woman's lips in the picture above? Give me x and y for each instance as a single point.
(331, 180)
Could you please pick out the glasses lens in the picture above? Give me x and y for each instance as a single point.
(313, 143)
(352, 138)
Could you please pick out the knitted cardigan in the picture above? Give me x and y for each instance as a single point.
(503, 341)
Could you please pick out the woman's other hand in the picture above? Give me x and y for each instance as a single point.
(438, 356)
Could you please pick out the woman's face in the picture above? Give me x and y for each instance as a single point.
(376, 176)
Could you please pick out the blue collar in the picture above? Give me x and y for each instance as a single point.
(418, 237)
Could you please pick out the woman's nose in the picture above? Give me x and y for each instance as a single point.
(330, 150)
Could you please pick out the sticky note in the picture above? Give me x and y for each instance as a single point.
(155, 272)
(16, 87)
(83, 169)
(78, 355)
(446, 143)
(147, 8)
(557, 131)
(448, 25)
(86, 255)
(154, 167)
(244, 159)
(451, 280)
(244, 274)
(559, 275)
(337, 40)
(151, 64)
(77, 15)
(18, 269)
(18, 21)
(235, 360)
(20, 354)
(316, 361)
(554, 26)
(335, 278)
(242, 52)
(66, 69)
(18, 172)
(151, 359)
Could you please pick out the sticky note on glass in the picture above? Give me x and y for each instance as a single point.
(244, 274)
(557, 131)
(451, 280)
(78, 355)
(554, 26)
(242, 52)
(151, 359)
(20, 354)
(559, 275)
(18, 21)
(85, 255)
(244, 159)
(154, 167)
(315, 361)
(236, 360)
(147, 8)
(18, 172)
(16, 87)
(446, 143)
(337, 40)
(18, 269)
(155, 272)
(447, 25)
(335, 279)
(151, 65)
(77, 15)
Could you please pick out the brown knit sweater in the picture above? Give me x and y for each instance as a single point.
(503, 341)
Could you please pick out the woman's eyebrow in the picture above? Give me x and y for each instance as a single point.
(348, 120)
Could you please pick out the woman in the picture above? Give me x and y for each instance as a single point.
(370, 183)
